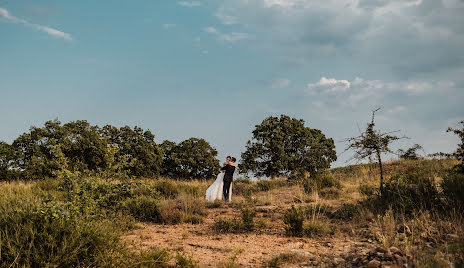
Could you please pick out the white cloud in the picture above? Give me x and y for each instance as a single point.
(280, 83)
(189, 3)
(352, 93)
(204, 52)
(397, 109)
(168, 25)
(50, 31)
(329, 85)
(227, 37)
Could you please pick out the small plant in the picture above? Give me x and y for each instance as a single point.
(294, 218)
(186, 261)
(235, 225)
(453, 190)
(144, 209)
(367, 190)
(156, 258)
(167, 188)
(319, 182)
(265, 185)
(317, 228)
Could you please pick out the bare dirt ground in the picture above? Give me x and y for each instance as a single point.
(254, 249)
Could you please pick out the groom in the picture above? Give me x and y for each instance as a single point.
(228, 177)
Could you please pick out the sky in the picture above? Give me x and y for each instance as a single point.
(214, 69)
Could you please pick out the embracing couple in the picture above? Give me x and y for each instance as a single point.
(221, 189)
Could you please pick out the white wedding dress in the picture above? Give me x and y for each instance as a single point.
(214, 192)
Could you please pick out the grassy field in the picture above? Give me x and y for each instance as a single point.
(335, 220)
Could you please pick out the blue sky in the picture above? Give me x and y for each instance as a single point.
(214, 69)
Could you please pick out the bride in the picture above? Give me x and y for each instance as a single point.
(215, 192)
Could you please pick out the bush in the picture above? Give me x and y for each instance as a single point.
(155, 258)
(185, 261)
(167, 188)
(367, 190)
(184, 209)
(319, 182)
(46, 234)
(265, 185)
(245, 224)
(453, 190)
(410, 192)
(318, 229)
(144, 209)
(346, 212)
(294, 219)
(330, 193)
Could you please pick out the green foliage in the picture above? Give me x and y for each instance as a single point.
(367, 190)
(41, 233)
(155, 258)
(294, 218)
(167, 188)
(84, 148)
(245, 224)
(453, 190)
(317, 228)
(190, 159)
(143, 209)
(320, 182)
(265, 185)
(186, 261)
(137, 147)
(284, 145)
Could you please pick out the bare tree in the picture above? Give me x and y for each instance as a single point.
(372, 143)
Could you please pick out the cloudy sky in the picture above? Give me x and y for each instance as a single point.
(215, 68)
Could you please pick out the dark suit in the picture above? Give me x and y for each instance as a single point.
(228, 178)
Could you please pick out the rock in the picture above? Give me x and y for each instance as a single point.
(395, 250)
(337, 261)
(374, 263)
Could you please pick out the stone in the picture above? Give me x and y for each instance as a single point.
(395, 250)
(374, 263)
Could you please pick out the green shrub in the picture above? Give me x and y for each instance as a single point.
(47, 234)
(167, 188)
(316, 228)
(183, 209)
(330, 193)
(313, 210)
(367, 190)
(345, 212)
(294, 219)
(453, 190)
(155, 258)
(186, 261)
(410, 192)
(144, 209)
(245, 224)
(265, 185)
(319, 182)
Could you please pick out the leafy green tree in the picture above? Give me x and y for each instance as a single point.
(372, 142)
(284, 145)
(192, 158)
(79, 142)
(137, 147)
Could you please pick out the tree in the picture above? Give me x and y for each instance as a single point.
(284, 145)
(6, 158)
(79, 142)
(411, 153)
(459, 154)
(372, 142)
(137, 146)
(192, 158)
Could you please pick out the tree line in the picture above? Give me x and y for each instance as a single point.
(279, 146)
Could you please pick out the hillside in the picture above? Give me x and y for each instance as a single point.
(89, 221)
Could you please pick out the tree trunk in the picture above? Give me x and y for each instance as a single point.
(381, 173)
